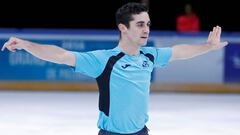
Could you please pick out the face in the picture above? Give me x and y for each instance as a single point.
(188, 9)
(138, 30)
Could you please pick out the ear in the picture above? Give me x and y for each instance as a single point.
(122, 27)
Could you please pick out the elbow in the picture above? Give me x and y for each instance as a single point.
(67, 58)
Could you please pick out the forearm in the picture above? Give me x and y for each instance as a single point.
(49, 53)
(186, 51)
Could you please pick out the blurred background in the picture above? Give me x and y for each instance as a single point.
(196, 96)
(101, 14)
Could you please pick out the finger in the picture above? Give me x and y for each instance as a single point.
(210, 36)
(214, 31)
(219, 31)
(15, 47)
(13, 50)
(10, 48)
(5, 45)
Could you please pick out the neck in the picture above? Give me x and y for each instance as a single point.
(129, 48)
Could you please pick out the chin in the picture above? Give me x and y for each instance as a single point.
(143, 44)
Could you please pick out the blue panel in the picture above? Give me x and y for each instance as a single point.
(232, 63)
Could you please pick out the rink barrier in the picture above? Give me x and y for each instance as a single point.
(221, 66)
(196, 87)
(47, 86)
(92, 86)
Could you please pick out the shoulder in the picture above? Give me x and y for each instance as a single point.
(156, 51)
(150, 50)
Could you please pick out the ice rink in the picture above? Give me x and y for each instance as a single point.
(76, 113)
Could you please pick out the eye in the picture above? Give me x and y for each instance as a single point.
(149, 24)
(140, 25)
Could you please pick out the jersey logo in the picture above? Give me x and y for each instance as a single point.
(125, 66)
(145, 64)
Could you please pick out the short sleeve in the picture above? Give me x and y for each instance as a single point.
(162, 56)
(89, 63)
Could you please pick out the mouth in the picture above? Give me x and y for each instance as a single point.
(144, 37)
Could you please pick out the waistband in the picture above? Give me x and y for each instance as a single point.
(145, 129)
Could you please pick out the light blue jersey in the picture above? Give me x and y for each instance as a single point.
(124, 83)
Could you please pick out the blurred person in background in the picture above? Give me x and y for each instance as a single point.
(123, 73)
(189, 21)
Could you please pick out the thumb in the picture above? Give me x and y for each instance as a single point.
(224, 43)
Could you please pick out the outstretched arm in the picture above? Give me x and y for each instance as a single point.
(49, 53)
(186, 51)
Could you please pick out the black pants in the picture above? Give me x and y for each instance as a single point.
(143, 131)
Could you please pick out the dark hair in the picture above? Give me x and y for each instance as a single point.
(124, 13)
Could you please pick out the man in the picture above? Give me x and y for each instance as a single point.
(188, 22)
(123, 73)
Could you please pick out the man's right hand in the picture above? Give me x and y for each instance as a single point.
(14, 44)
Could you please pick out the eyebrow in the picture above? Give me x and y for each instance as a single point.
(141, 22)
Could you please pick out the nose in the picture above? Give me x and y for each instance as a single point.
(146, 29)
